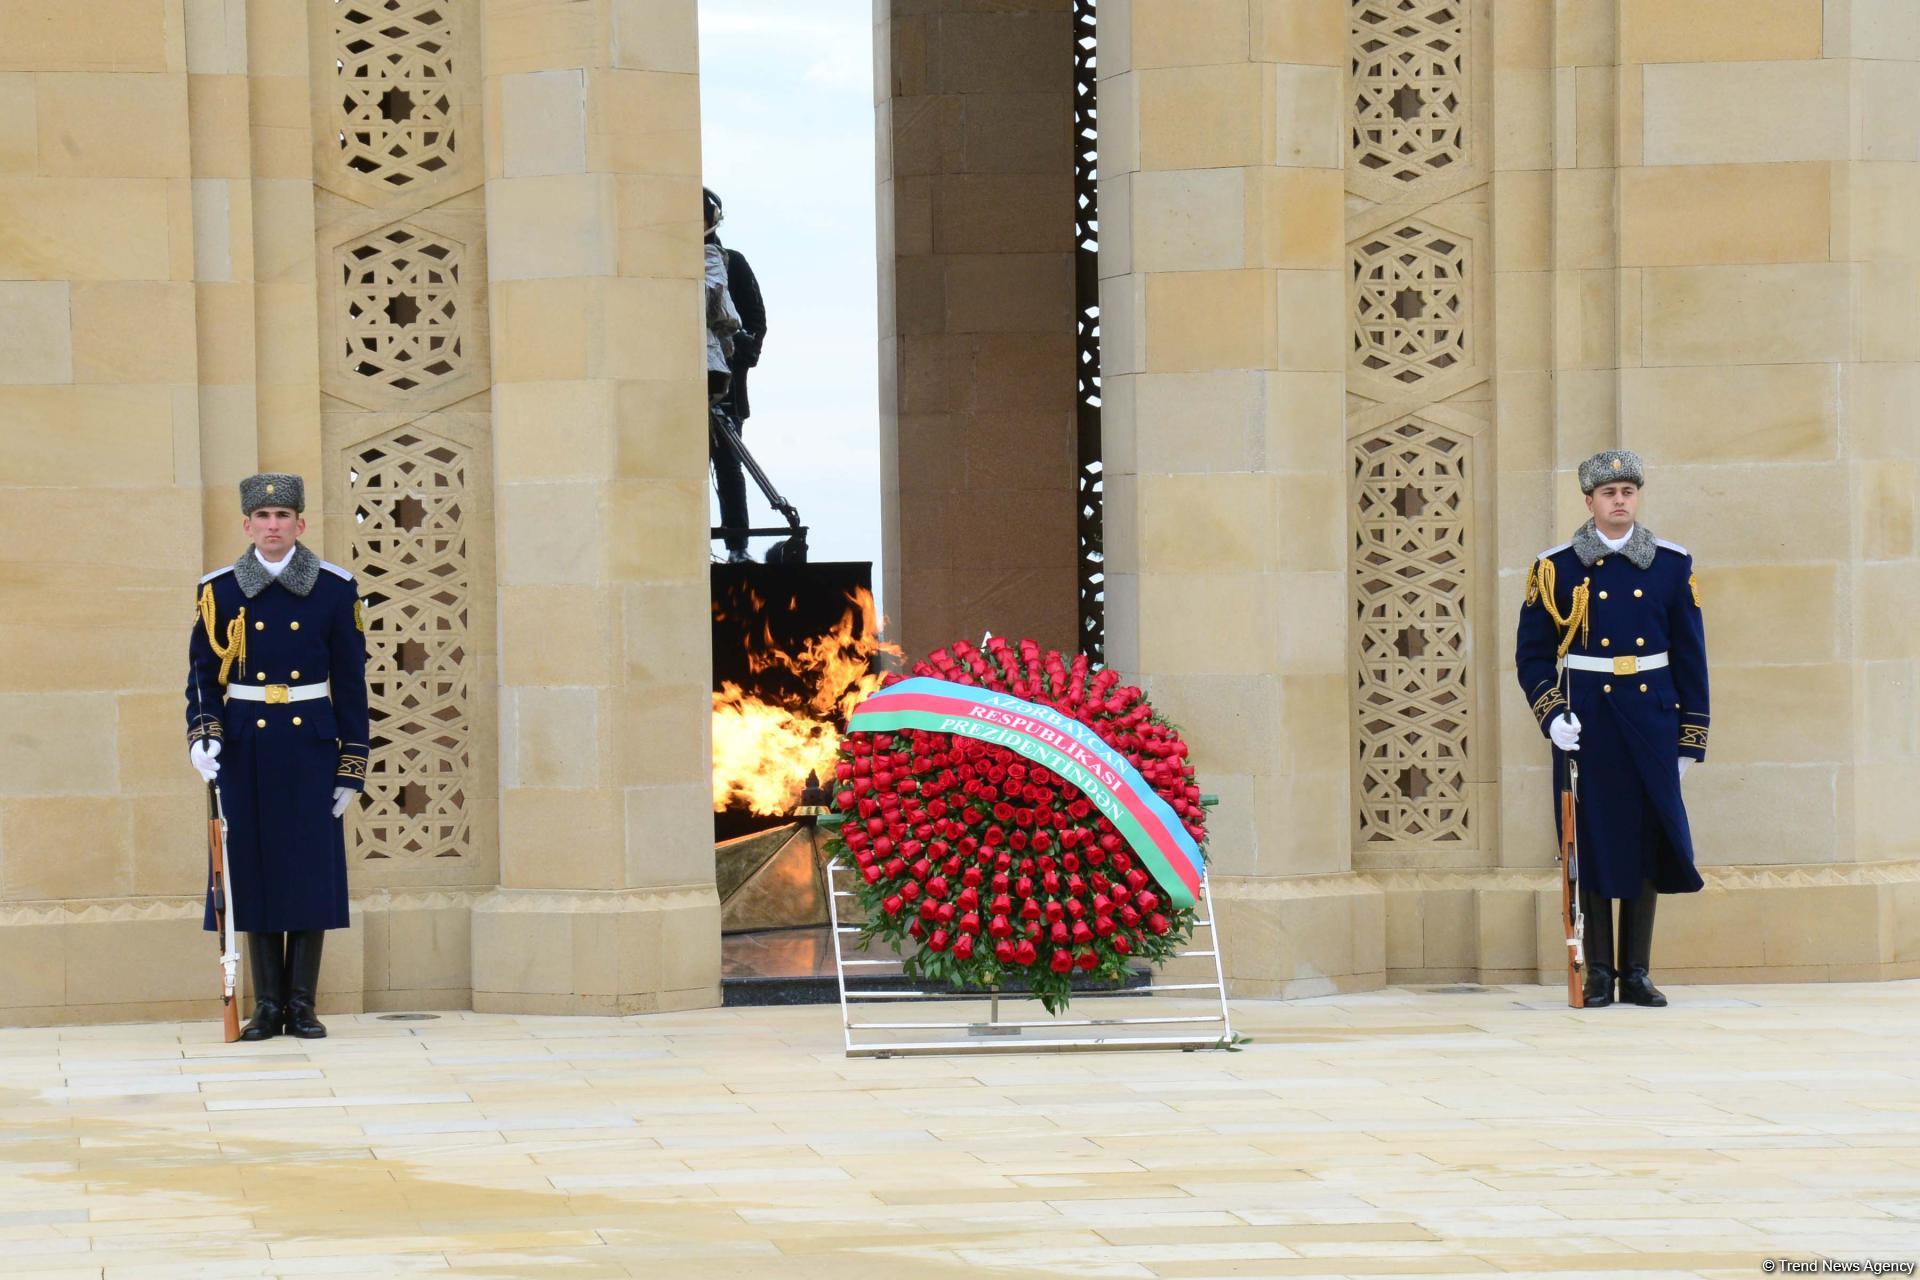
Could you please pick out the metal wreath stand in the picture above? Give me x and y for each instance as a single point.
(870, 1034)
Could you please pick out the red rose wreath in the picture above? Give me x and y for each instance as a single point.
(1002, 874)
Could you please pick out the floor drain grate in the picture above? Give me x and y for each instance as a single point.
(408, 1017)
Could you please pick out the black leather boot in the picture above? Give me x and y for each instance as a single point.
(1636, 950)
(1599, 946)
(266, 965)
(303, 981)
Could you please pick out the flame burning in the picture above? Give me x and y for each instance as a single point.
(762, 752)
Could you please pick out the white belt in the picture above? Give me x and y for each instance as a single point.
(1625, 665)
(277, 693)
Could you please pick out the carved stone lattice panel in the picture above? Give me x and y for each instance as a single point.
(1412, 324)
(396, 86)
(402, 296)
(410, 506)
(1412, 573)
(1090, 467)
(1409, 113)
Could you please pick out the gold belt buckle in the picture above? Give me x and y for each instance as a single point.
(277, 693)
(1627, 665)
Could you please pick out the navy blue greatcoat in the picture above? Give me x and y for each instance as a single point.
(1634, 724)
(280, 761)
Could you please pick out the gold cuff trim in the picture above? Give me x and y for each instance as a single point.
(351, 767)
(1693, 735)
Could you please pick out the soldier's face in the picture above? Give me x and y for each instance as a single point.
(1614, 507)
(273, 530)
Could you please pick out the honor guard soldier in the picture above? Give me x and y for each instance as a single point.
(1612, 658)
(277, 720)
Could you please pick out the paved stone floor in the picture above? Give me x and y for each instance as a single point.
(1477, 1132)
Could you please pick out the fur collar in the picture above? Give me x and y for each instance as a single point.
(298, 577)
(1640, 547)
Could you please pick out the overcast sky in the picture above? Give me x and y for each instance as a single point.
(786, 99)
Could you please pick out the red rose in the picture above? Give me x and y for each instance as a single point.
(1024, 953)
(968, 899)
(1030, 909)
(873, 874)
(910, 890)
(1062, 962)
(1129, 917)
(1147, 901)
(1087, 960)
(1004, 952)
(1158, 923)
(970, 923)
(1000, 927)
(892, 905)
(937, 886)
(938, 941)
(1081, 933)
(1119, 943)
(963, 947)
(1060, 934)
(1055, 911)
(1104, 925)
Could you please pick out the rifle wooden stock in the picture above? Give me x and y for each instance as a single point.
(217, 888)
(1569, 889)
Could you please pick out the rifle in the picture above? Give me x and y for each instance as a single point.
(221, 890)
(1571, 916)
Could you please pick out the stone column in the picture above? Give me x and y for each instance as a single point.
(607, 901)
(977, 372)
(1770, 328)
(1224, 324)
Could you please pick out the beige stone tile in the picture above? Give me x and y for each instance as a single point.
(540, 327)
(1706, 214)
(1732, 413)
(659, 232)
(83, 229)
(20, 132)
(66, 847)
(543, 123)
(1306, 338)
(133, 332)
(1209, 320)
(1745, 112)
(550, 533)
(1522, 212)
(1201, 117)
(1308, 116)
(1771, 613)
(643, 122)
(1886, 319)
(112, 126)
(557, 838)
(1522, 128)
(117, 435)
(36, 332)
(563, 225)
(1782, 714)
(1879, 423)
(648, 36)
(113, 35)
(1183, 33)
(1743, 814)
(655, 531)
(642, 338)
(1295, 218)
(1881, 98)
(553, 430)
(1887, 497)
(1298, 31)
(1887, 594)
(1232, 610)
(1710, 31)
(1302, 416)
(167, 860)
(1697, 507)
(555, 635)
(1202, 523)
(1190, 220)
(1740, 315)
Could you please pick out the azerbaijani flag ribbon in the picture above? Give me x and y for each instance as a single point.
(1060, 744)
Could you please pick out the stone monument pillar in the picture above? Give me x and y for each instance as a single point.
(607, 901)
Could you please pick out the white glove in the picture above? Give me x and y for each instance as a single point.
(1565, 732)
(202, 756)
(1685, 761)
(342, 797)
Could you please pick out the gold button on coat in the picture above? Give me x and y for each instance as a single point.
(1641, 641)
(259, 675)
(259, 724)
(1597, 563)
(259, 626)
(1643, 689)
(1637, 593)
(1606, 688)
(1603, 595)
(294, 676)
(296, 626)
(1605, 643)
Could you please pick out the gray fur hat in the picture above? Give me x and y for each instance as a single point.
(1611, 466)
(278, 489)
